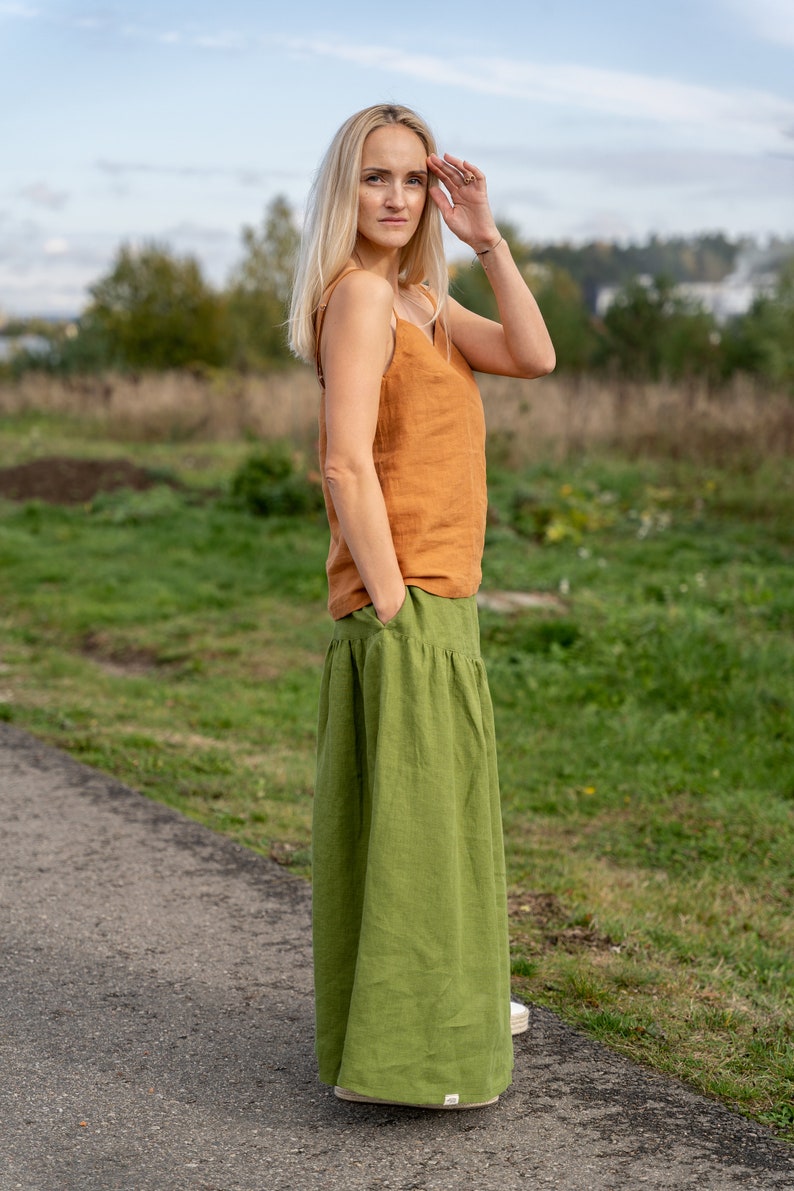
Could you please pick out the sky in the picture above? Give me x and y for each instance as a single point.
(180, 122)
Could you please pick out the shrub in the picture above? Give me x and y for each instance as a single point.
(270, 483)
(564, 516)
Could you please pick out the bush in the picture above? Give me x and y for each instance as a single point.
(564, 516)
(270, 483)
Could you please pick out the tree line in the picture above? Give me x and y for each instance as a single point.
(155, 310)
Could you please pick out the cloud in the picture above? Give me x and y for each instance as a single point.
(199, 232)
(604, 225)
(59, 287)
(16, 235)
(119, 169)
(48, 275)
(657, 99)
(24, 11)
(227, 41)
(42, 195)
(56, 246)
(223, 41)
(656, 168)
(242, 175)
(623, 192)
(634, 192)
(217, 248)
(768, 20)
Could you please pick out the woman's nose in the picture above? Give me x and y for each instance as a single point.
(396, 196)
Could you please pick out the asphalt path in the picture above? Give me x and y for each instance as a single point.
(156, 1034)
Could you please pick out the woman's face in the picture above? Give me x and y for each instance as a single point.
(392, 188)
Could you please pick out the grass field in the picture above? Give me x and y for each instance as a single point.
(645, 713)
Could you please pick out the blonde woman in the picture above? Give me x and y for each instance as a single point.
(410, 923)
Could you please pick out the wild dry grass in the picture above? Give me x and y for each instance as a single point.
(567, 416)
(175, 406)
(557, 416)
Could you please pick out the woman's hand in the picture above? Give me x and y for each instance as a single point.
(468, 215)
(387, 609)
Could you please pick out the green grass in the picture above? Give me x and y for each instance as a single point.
(646, 725)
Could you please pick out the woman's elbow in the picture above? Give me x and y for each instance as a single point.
(540, 363)
(547, 362)
(341, 473)
(335, 474)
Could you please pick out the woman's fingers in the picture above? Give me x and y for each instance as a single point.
(463, 201)
(468, 172)
(455, 171)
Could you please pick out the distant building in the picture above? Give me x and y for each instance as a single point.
(15, 345)
(754, 276)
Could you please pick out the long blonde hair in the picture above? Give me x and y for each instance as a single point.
(330, 226)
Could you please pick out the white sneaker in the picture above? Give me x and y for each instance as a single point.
(451, 1102)
(519, 1018)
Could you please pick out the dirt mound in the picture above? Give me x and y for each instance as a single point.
(62, 481)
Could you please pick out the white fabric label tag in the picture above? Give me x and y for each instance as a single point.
(450, 1100)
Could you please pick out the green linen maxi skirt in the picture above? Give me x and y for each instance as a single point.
(411, 955)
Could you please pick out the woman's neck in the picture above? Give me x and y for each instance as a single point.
(384, 264)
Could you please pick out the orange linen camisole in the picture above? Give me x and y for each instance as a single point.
(429, 454)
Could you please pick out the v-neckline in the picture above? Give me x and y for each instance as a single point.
(407, 321)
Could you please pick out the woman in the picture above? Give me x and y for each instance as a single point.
(410, 924)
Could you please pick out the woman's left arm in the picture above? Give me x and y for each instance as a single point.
(520, 344)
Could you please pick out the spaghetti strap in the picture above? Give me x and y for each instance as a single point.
(319, 319)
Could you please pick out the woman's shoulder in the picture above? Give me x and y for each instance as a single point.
(357, 284)
(356, 293)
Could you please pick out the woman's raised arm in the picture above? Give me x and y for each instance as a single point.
(519, 345)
